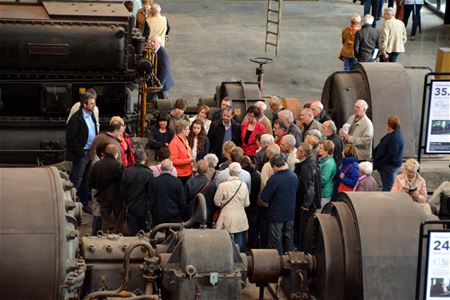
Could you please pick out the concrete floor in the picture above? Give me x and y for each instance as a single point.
(212, 41)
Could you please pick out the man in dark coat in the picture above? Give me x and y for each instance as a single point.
(105, 178)
(200, 184)
(309, 191)
(168, 196)
(222, 130)
(134, 187)
(329, 132)
(80, 133)
(163, 71)
(367, 39)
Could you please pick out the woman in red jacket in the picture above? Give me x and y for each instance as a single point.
(250, 129)
(180, 151)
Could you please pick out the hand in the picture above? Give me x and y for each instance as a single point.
(343, 135)
(167, 145)
(303, 210)
(386, 56)
(341, 176)
(415, 196)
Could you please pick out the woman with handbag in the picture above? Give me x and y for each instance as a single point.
(232, 197)
(348, 174)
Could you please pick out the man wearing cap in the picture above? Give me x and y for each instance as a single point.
(280, 193)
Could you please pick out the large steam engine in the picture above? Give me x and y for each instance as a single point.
(362, 246)
(50, 53)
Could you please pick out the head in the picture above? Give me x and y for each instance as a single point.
(267, 140)
(227, 147)
(326, 148)
(365, 168)
(389, 13)
(227, 115)
(182, 128)
(272, 150)
(287, 144)
(316, 133)
(155, 42)
(355, 19)
(100, 150)
(328, 128)
(306, 116)
(279, 128)
(156, 9)
(140, 156)
(360, 108)
(304, 151)
(166, 165)
(312, 140)
(115, 129)
(92, 91)
(202, 167)
(87, 101)
(411, 167)
(147, 5)
(235, 169)
(246, 163)
(253, 114)
(111, 149)
(197, 127)
(393, 123)
(212, 160)
(119, 120)
(316, 108)
(203, 112)
(129, 5)
(262, 106)
(277, 163)
(368, 19)
(286, 116)
(180, 106)
(237, 154)
(349, 150)
(162, 119)
(275, 103)
(163, 153)
(226, 102)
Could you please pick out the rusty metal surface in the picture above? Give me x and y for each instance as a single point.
(37, 236)
(23, 12)
(388, 227)
(265, 266)
(325, 243)
(85, 9)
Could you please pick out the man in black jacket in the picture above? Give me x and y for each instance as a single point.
(134, 187)
(309, 191)
(80, 133)
(168, 197)
(367, 39)
(222, 130)
(105, 178)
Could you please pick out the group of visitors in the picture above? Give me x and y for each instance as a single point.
(262, 187)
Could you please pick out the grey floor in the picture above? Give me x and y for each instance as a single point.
(212, 41)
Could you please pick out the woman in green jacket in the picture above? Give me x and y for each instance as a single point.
(327, 167)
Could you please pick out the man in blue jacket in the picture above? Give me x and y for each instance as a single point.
(161, 61)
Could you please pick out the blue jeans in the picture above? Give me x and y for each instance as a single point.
(416, 17)
(387, 175)
(239, 238)
(348, 63)
(374, 4)
(96, 225)
(79, 176)
(281, 236)
(135, 224)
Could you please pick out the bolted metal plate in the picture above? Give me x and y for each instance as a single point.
(86, 9)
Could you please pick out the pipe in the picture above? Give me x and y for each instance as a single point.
(98, 294)
(200, 212)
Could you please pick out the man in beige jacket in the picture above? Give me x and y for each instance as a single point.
(393, 37)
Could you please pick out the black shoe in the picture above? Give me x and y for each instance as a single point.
(87, 209)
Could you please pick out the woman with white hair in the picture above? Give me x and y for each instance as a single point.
(410, 181)
(366, 183)
(212, 160)
(232, 197)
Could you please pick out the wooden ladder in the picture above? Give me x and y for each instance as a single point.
(273, 24)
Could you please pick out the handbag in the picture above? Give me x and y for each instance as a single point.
(342, 187)
(216, 214)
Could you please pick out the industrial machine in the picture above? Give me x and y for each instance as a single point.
(362, 246)
(51, 53)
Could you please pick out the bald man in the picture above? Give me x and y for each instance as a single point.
(163, 71)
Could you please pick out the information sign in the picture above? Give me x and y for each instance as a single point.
(438, 266)
(438, 130)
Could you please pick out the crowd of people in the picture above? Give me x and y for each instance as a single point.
(262, 186)
(362, 42)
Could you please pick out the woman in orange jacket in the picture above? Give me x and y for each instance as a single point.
(180, 151)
